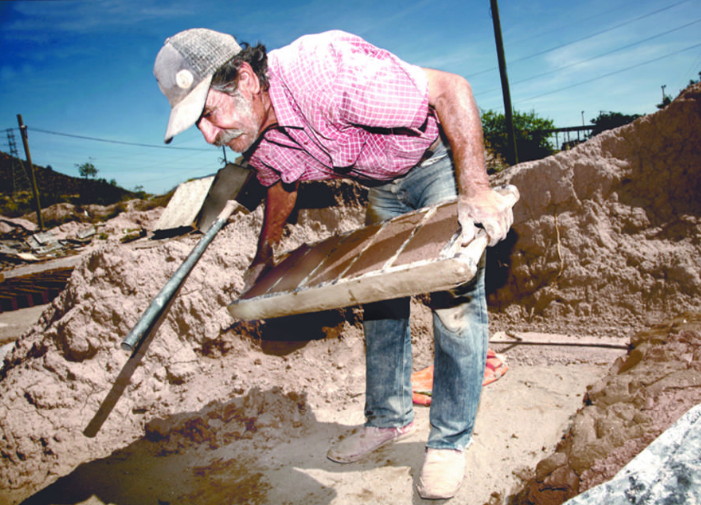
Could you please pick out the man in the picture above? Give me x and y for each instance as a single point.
(329, 106)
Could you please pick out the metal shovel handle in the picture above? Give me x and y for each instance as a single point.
(159, 304)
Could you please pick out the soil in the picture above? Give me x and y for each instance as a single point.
(605, 245)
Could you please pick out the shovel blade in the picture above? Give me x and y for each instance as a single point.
(197, 203)
(228, 184)
(185, 204)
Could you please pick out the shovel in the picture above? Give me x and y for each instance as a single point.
(233, 186)
(205, 203)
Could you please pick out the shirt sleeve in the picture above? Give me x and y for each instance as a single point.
(266, 175)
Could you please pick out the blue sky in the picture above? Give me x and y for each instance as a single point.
(82, 70)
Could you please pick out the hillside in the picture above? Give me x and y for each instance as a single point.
(54, 187)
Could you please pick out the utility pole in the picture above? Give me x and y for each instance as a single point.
(583, 119)
(30, 170)
(508, 112)
(663, 95)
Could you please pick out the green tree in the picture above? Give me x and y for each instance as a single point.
(87, 170)
(667, 99)
(531, 141)
(610, 120)
(665, 102)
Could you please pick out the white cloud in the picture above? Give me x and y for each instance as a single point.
(37, 19)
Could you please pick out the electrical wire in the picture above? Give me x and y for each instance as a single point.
(593, 58)
(611, 73)
(598, 33)
(694, 72)
(145, 163)
(108, 141)
(578, 22)
(518, 60)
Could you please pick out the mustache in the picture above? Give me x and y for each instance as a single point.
(226, 136)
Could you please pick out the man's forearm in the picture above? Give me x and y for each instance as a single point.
(451, 97)
(279, 204)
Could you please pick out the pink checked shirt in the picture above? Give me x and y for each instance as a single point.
(345, 109)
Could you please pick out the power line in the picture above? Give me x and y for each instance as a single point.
(694, 71)
(595, 57)
(578, 22)
(611, 73)
(600, 32)
(579, 40)
(82, 137)
(173, 171)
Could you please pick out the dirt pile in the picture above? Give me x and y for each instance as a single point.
(10, 225)
(642, 396)
(61, 214)
(609, 231)
(58, 375)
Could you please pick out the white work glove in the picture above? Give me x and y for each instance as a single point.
(492, 209)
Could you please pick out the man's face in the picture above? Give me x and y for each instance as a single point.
(230, 120)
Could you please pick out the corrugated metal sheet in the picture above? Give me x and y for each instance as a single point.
(35, 289)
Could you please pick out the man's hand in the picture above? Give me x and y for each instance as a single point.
(279, 204)
(492, 209)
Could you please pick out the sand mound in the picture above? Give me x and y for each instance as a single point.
(642, 396)
(57, 375)
(12, 225)
(606, 234)
(609, 230)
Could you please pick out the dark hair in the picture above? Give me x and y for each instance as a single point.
(225, 79)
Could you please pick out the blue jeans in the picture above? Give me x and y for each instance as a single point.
(460, 326)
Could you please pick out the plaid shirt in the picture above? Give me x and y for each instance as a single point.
(344, 109)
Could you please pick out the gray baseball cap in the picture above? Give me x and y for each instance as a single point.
(184, 68)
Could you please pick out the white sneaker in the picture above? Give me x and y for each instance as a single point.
(442, 474)
(364, 441)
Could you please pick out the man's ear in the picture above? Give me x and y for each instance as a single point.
(247, 80)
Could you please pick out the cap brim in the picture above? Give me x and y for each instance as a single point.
(188, 111)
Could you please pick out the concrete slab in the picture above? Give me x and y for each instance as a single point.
(14, 323)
